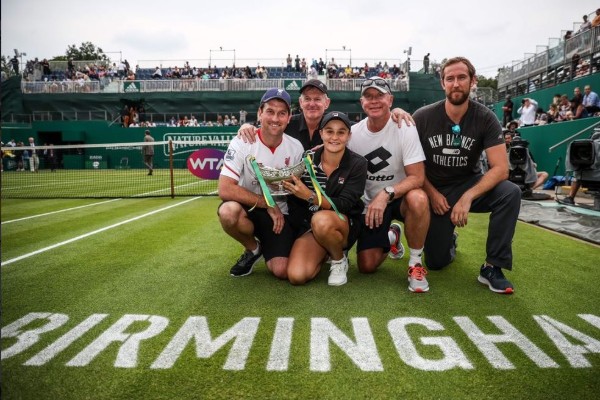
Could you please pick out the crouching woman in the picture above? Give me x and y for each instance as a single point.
(326, 216)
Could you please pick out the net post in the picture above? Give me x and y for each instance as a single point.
(171, 168)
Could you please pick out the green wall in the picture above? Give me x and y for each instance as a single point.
(544, 96)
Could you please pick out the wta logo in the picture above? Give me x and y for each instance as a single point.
(206, 163)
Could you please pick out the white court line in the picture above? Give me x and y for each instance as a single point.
(56, 212)
(33, 253)
(94, 204)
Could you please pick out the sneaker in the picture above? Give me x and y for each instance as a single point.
(417, 282)
(567, 200)
(397, 249)
(494, 278)
(245, 264)
(337, 273)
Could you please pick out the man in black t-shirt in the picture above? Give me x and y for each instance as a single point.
(454, 132)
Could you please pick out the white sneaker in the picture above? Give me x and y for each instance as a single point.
(337, 272)
(416, 279)
(397, 248)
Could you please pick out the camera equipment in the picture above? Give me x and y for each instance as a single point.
(522, 171)
(518, 154)
(583, 157)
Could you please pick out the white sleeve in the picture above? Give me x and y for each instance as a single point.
(412, 151)
(235, 159)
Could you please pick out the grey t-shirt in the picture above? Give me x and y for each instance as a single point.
(451, 158)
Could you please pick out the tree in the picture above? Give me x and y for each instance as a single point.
(482, 81)
(6, 67)
(86, 51)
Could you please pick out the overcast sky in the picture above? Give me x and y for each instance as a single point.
(147, 32)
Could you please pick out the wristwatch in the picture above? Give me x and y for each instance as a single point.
(389, 190)
(311, 198)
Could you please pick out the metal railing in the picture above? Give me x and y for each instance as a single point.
(191, 85)
(51, 87)
(585, 44)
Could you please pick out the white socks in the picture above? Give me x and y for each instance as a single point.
(415, 257)
(257, 250)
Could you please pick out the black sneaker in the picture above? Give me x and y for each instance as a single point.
(494, 278)
(567, 200)
(245, 264)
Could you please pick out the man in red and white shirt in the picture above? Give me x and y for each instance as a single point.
(244, 214)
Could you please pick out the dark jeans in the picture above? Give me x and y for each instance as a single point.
(503, 202)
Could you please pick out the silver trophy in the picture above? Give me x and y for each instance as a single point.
(274, 177)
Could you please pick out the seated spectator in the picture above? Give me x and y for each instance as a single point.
(193, 121)
(564, 106)
(176, 73)
(258, 72)
(226, 120)
(553, 114)
(541, 118)
(157, 74)
(131, 76)
(234, 120)
(556, 99)
(569, 116)
(577, 96)
(590, 100)
(578, 109)
(584, 68)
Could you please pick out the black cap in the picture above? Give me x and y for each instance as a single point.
(335, 115)
(314, 83)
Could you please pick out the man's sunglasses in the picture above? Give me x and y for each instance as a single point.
(375, 82)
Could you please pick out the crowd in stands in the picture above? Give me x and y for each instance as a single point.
(136, 117)
(36, 70)
(301, 70)
(581, 105)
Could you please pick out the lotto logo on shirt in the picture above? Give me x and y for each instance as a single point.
(206, 163)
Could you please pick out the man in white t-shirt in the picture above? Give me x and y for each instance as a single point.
(527, 110)
(244, 213)
(393, 190)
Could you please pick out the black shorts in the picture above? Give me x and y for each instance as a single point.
(378, 237)
(301, 224)
(272, 244)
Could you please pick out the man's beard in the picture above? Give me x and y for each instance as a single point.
(461, 100)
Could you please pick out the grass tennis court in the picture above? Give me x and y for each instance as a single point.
(68, 183)
(131, 299)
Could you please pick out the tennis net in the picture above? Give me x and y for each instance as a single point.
(113, 170)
